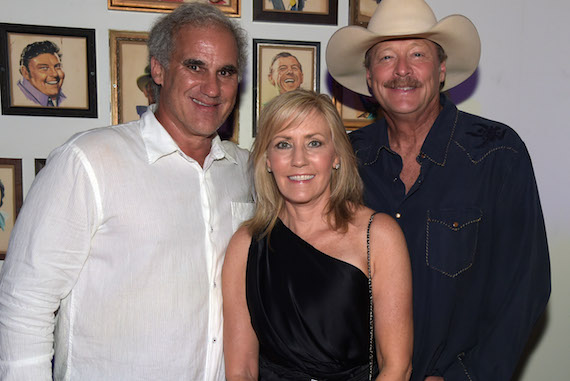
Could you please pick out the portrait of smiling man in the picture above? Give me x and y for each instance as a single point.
(42, 74)
(285, 72)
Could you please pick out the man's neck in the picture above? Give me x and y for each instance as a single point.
(406, 135)
(408, 131)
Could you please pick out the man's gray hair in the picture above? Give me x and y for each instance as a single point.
(162, 36)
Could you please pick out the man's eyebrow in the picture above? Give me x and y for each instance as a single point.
(193, 61)
(229, 68)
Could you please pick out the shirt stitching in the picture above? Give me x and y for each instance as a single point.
(442, 164)
(452, 228)
(486, 154)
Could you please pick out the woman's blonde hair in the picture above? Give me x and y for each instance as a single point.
(289, 110)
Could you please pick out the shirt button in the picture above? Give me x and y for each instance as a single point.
(211, 229)
(215, 284)
(395, 179)
(398, 215)
(214, 340)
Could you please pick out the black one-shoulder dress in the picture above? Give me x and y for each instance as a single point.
(309, 310)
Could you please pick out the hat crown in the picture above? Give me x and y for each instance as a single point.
(402, 17)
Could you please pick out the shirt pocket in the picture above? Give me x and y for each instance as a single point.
(451, 239)
(241, 211)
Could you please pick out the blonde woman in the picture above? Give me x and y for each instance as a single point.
(297, 298)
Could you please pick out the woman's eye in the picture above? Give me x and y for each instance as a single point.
(315, 143)
(282, 145)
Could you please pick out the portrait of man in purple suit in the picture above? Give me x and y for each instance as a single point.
(42, 74)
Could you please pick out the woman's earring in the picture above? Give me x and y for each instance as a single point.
(268, 169)
(337, 166)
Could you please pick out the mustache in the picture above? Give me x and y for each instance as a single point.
(402, 82)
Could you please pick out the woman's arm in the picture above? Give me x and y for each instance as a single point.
(241, 348)
(392, 297)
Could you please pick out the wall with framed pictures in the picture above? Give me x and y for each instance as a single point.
(528, 94)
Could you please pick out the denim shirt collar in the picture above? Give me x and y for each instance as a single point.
(435, 146)
(439, 137)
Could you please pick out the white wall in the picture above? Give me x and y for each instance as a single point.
(522, 80)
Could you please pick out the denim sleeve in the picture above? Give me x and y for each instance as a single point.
(519, 283)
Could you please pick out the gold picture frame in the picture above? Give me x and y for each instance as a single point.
(231, 7)
(356, 110)
(361, 11)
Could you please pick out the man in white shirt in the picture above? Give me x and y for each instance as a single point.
(113, 268)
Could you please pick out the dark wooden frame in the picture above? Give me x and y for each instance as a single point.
(258, 64)
(330, 18)
(7, 84)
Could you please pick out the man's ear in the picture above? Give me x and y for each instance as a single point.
(368, 78)
(156, 71)
(442, 71)
(25, 73)
(270, 78)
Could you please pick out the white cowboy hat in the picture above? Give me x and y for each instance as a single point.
(456, 34)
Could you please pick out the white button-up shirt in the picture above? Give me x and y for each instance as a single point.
(126, 235)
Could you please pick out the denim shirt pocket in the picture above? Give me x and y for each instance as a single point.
(241, 211)
(451, 239)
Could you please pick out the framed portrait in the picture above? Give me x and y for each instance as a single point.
(130, 75)
(48, 71)
(131, 81)
(361, 11)
(39, 164)
(231, 7)
(356, 110)
(296, 11)
(11, 198)
(281, 66)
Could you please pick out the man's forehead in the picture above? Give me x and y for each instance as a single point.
(43, 57)
(279, 61)
(211, 34)
(410, 41)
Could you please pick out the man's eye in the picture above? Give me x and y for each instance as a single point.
(227, 72)
(282, 145)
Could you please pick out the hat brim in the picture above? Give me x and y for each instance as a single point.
(456, 34)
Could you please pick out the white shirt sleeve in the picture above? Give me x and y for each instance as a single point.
(48, 248)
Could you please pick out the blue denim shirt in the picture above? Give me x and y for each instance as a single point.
(476, 237)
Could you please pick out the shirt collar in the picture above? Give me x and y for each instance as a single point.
(37, 96)
(159, 143)
(439, 137)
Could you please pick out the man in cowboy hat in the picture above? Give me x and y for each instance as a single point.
(461, 187)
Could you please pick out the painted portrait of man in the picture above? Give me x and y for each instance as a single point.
(42, 74)
(285, 72)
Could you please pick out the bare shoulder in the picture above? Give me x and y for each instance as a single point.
(242, 236)
(381, 223)
(239, 246)
(385, 233)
